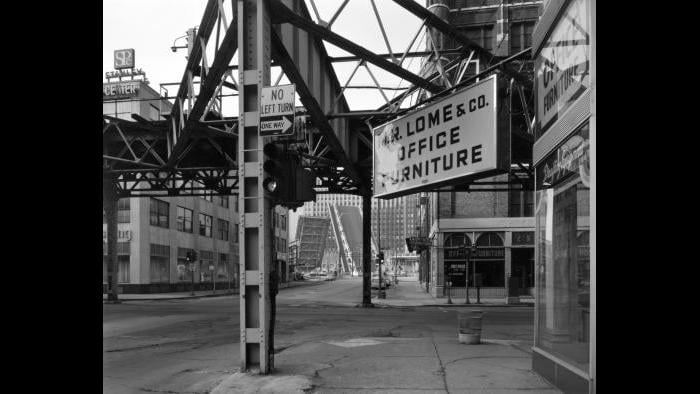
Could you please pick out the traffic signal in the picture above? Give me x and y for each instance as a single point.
(191, 256)
(380, 256)
(278, 168)
(289, 184)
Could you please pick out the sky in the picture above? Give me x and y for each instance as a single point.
(151, 27)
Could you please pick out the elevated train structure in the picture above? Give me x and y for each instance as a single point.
(197, 150)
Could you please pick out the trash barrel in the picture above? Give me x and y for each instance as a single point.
(469, 327)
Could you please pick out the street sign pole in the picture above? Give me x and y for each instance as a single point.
(254, 73)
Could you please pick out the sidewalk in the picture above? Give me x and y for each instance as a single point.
(408, 292)
(200, 294)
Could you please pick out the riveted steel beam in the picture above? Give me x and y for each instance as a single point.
(283, 14)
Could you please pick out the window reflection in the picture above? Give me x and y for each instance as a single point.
(563, 250)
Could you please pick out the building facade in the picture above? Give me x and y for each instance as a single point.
(564, 157)
(155, 233)
(501, 224)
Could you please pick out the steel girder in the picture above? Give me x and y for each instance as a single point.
(180, 182)
(134, 155)
(434, 21)
(206, 26)
(283, 14)
(319, 119)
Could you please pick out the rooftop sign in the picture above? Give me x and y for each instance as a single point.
(443, 143)
(124, 58)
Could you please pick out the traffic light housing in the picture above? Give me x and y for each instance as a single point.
(288, 183)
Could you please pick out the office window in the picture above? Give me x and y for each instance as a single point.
(222, 268)
(520, 36)
(209, 196)
(284, 222)
(205, 225)
(223, 229)
(159, 213)
(235, 233)
(124, 210)
(184, 219)
(160, 263)
(223, 201)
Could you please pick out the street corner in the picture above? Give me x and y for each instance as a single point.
(254, 383)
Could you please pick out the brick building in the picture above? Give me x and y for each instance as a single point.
(501, 224)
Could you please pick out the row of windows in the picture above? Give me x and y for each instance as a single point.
(159, 217)
(221, 200)
(160, 265)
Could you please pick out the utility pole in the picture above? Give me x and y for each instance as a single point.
(109, 201)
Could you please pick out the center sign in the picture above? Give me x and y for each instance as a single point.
(277, 110)
(444, 143)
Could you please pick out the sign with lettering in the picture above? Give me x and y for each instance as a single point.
(116, 90)
(124, 58)
(562, 66)
(570, 158)
(277, 110)
(496, 253)
(455, 253)
(449, 140)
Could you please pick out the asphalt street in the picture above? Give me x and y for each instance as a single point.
(191, 345)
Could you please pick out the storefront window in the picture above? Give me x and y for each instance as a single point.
(563, 277)
(160, 263)
(456, 258)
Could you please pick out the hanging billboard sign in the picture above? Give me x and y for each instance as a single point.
(563, 65)
(447, 142)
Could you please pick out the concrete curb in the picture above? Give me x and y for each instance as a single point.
(459, 305)
(104, 300)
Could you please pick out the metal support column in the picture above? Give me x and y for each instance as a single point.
(366, 250)
(109, 202)
(255, 220)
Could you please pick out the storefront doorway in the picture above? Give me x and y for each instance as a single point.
(523, 268)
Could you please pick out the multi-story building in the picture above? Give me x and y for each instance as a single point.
(501, 224)
(564, 157)
(155, 233)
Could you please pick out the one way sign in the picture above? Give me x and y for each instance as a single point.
(281, 126)
(277, 110)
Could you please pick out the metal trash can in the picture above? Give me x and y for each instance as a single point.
(469, 327)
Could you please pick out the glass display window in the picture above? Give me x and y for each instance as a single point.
(563, 250)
